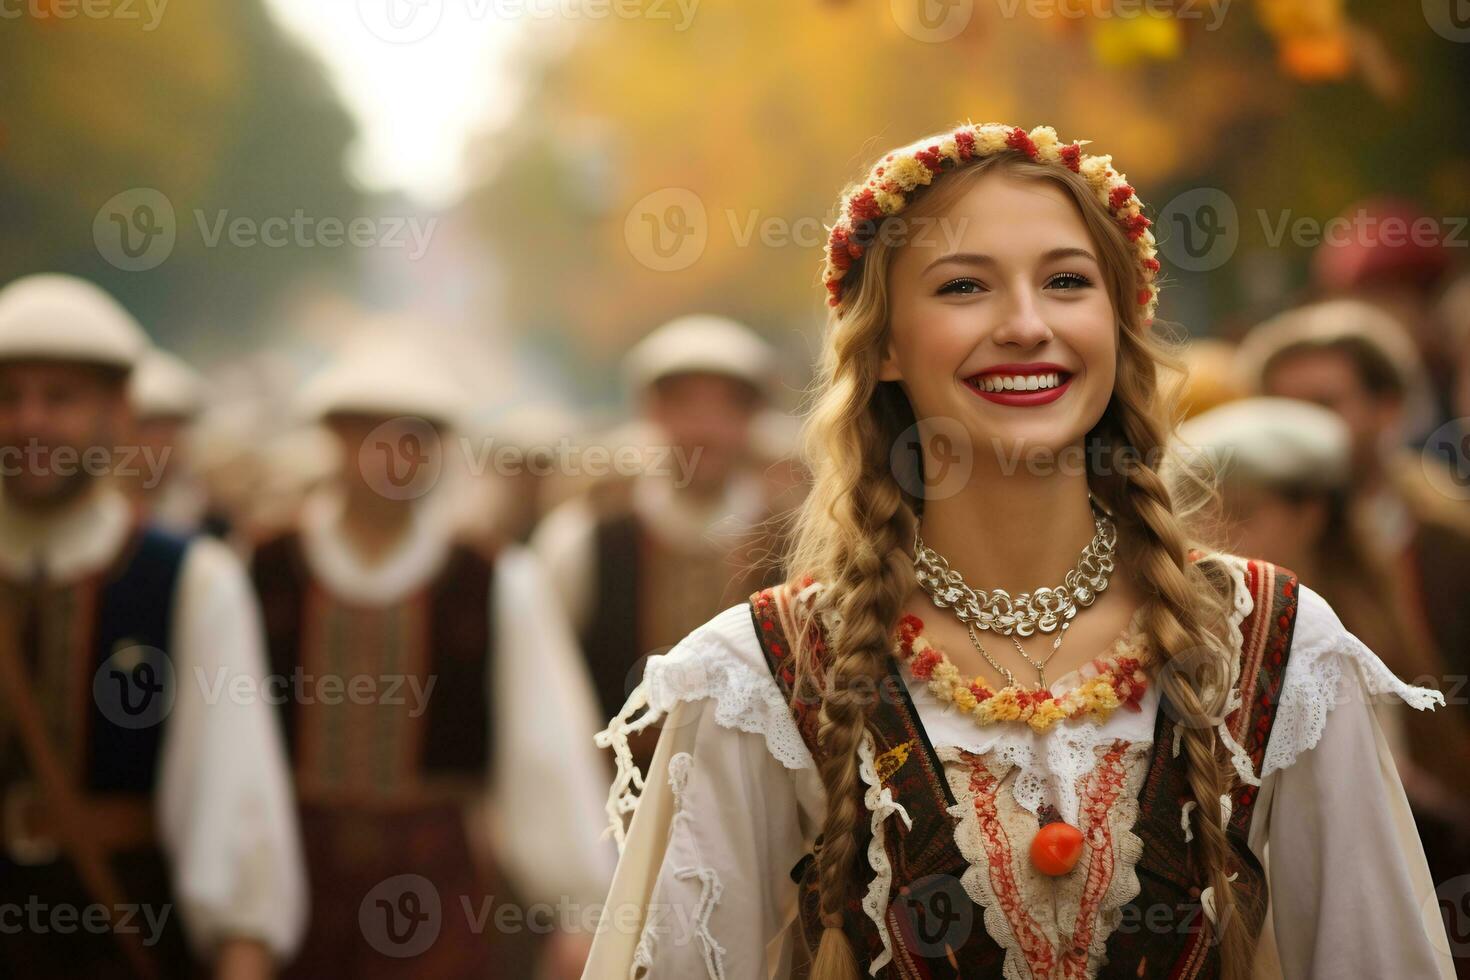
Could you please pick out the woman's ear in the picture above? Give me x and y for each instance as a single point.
(888, 367)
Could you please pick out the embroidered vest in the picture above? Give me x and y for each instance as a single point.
(98, 653)
(97, 650)
(404, 734)
(937, 930)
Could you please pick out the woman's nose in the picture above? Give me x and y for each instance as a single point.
(1023, 325)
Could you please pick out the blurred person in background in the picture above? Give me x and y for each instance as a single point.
(1282, 467)
(1355, 360)
(1209, 377)
(1392, 255)
(127, 781)
(166, 396)
(468, 762)
(641, 560)
(1453, 442)
(524, 479)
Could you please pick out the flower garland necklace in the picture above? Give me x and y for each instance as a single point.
(1113, 679)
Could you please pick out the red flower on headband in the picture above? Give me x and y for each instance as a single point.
(1072, 157)
(930, 158)
(841, 249)
(864, 206)
(1152, 265)
(965, 141)
(1119, 196)
(1136, 226)
(1018, 140)
(1143, 297)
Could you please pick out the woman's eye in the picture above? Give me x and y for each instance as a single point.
(962, 287)
(1069, 280)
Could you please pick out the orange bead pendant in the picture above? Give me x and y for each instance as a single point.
(1056, 848)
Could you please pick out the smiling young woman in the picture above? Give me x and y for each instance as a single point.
(852, 780)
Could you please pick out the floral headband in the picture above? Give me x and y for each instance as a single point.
(890, 187)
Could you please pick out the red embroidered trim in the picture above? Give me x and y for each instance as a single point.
(1035, 945)
(1099, 792)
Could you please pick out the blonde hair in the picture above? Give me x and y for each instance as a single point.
(853, 531)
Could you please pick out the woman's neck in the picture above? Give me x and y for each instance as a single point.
(1014, 531)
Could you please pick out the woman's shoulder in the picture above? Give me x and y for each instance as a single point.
(721, 666)
(1327, 667)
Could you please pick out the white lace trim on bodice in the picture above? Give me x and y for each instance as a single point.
(881, 804)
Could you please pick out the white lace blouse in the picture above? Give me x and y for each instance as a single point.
(732, 801)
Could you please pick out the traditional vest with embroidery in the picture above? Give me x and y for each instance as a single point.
(398, 735)
(97, 650)
(648, 596)
(98, 653)
(936, 928)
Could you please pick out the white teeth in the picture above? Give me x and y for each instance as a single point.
(1019, 382)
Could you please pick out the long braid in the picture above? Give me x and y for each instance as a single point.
(1181, 627)
(855, 501)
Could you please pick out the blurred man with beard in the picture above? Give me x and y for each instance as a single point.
(134, 784)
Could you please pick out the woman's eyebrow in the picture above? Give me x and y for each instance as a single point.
(977, 258)
(962, 257)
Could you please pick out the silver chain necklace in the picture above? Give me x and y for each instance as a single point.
(1045, 609)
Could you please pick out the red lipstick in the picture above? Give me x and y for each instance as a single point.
(1019, 396)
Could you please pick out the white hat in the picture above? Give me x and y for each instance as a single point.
(1271, 441)
(381, 375)
(164, 386)
(56, 317)
(700, 344)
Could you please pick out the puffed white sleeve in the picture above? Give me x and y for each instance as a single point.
(703, 887)
(548, 778)
(1351, 893)
(226, 812)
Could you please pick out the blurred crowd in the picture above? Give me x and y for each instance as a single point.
(297, 692)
